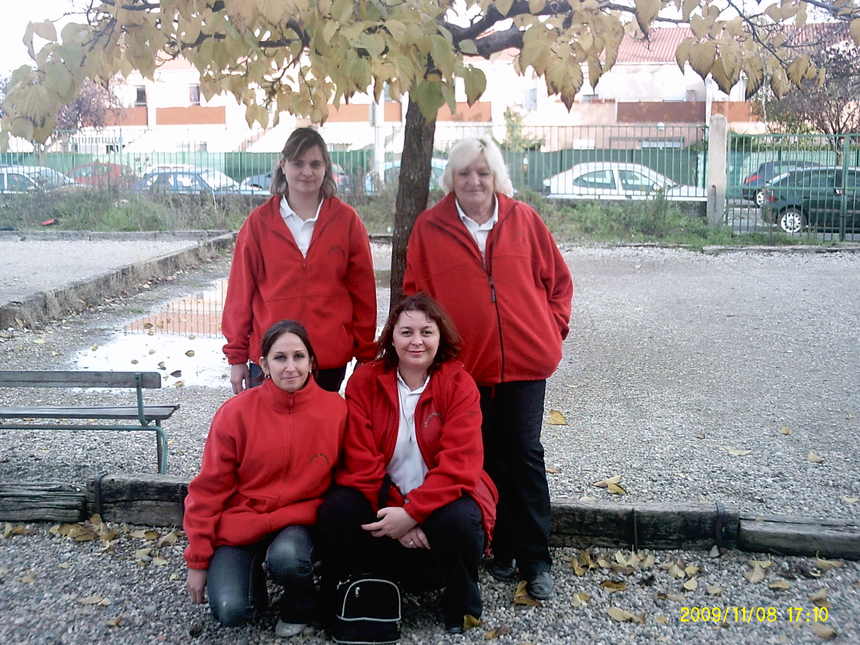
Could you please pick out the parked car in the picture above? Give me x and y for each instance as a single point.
(617, 180)
(187, 181)
(391, 170)
(103, 175)
(754, 183)
(342, 179)
(813, 198)
(19, 179)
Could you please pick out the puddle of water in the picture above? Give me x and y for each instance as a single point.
(181, 340)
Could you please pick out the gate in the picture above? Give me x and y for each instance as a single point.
(795, 184)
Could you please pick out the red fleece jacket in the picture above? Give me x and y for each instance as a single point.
(332, 291)
(448, 431)
(511, 309)
(268, 461)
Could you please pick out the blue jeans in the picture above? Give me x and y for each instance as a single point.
(237, 583)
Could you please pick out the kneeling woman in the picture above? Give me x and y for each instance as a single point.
(412, 501)
(267, 463)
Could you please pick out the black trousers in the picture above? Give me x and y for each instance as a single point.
(456, 539)
(513, 457)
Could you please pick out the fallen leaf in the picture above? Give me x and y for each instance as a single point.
(28, 579)
(495, 633)
(785, 430)
(578, 569)
(522, 597)
(116, 621)
(145, 534)
(94, 348)
(613, 585)
(662, 620)
(602, 563)
(39, 341)
(780, 585)
(624, 616)
(756, 575)
(676, 572)
(167, 538)
(813, 458)
(94, 600)
(143, 555)
(824, 632)
(850, 500)
(692, 584)
(714, 590)
(469, 621)
(691, 570)
(580, 599)
(827, 565)
(737, 452)
(648, 562)
(64, 565)
(700, 435)
(819, 598)
(189, 353)
(552, 470)
(179, 384)
(671, 596)
(714, 552)
(615, 489)
(764, 564)
(159, 562)
(604, 483)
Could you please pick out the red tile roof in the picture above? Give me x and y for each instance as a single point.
(658, 48)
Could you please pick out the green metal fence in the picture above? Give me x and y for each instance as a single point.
(795, 184)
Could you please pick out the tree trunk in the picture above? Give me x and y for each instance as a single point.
(412, 191)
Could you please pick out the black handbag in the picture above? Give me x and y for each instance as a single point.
(367, 611)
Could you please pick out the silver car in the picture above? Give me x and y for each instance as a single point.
(615, 180)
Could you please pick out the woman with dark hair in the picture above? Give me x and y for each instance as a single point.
(493, 264)
(412, 501)
(303, 255)
(267, 463)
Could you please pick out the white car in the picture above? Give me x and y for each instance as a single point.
(615, 180)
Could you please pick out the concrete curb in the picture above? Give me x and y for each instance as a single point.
(81, 294)
(157, 500)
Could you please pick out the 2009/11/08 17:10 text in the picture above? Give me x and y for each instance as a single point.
(753, 614)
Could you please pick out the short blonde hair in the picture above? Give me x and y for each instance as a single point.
(466, 151)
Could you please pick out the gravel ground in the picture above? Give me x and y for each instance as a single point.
(674, 359)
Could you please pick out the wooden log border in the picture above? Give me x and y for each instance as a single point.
(157, 500)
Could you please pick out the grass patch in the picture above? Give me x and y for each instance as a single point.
(652, 221)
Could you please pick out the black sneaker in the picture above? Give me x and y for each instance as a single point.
(540, 586)
(505, 571)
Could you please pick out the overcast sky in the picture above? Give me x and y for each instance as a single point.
(13, 21)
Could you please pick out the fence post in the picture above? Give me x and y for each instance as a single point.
(716, 180)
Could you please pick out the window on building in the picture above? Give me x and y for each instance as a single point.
(140, 96)
(589, 98)
(530, 99)
(194, 95)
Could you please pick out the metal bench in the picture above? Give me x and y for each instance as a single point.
(129, 418)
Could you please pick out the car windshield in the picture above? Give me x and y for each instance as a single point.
(47, 177)
(218, 180)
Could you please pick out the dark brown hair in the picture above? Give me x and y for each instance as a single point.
(449, 339)
(282, 327)
(300, 141)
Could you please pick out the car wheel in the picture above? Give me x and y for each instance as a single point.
(791, 220)
(758, 198)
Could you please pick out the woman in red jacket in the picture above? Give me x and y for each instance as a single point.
(268, 461)
(492, 263)
(303, 255)
(412, 502)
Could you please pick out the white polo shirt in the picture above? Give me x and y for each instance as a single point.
(302, 229)
(479, 231)
(407, 468)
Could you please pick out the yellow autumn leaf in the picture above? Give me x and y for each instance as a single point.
(552, 470)
(824, 632)
(580, 599)
(189, 353)
(826, 565)
(470, 622)
(714, 590)
(785, 430)
(27, 579)
(692, 584)
(612, 585)
(814, 458)
(94, 600)
(819, 598)
(116, 621)
(159, 562)
(850, 500)
(676, 572)
(615, 489)
(764, 564)
(661, 620)
(143, 554)
(756, 575)
(624, 616)
(604, 483)
(578, 569)
(691, 570)
(522, 597)
(780, 585)
(556, 418)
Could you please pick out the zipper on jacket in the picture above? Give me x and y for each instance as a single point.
(488, 267)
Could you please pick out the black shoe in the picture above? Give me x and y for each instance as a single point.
(540, 586)
(506, 571)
